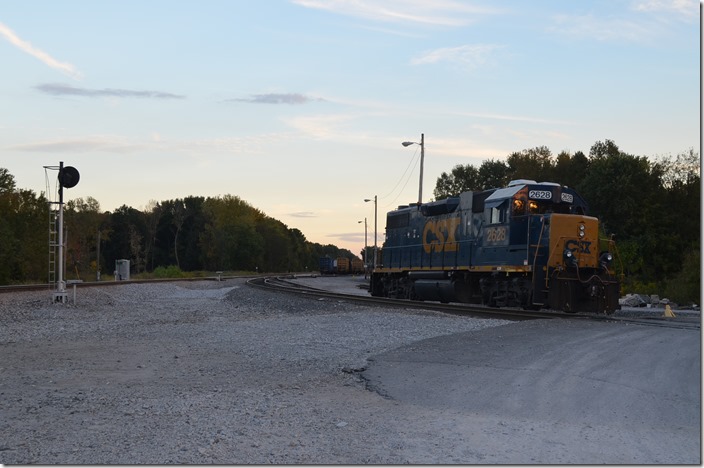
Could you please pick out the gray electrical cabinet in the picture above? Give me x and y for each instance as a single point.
(122, 270)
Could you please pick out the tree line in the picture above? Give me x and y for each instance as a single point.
(188, 234)
(652, 207)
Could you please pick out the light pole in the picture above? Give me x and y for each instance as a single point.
(375, 255)
(365, 247)
(422, 156)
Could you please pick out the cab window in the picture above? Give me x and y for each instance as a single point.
(497, 214)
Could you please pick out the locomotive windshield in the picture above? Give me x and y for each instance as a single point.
(523, 207)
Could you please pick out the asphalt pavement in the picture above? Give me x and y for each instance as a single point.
(630, 392)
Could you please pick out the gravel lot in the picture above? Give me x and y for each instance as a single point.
(211, 373)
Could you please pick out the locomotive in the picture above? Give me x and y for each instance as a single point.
(530, 244)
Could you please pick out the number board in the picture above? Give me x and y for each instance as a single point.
(540, 194)
(496, 235)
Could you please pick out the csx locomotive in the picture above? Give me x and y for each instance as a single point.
(527, 245)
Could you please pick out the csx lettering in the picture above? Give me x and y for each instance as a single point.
(439, 236)
(582, 246)
(496, 234)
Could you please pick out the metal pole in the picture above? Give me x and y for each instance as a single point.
(97, 259)
(60, 285)
(422, 156)
(366, 265)
(375, 254)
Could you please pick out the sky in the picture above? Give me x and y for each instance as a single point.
(300, 107)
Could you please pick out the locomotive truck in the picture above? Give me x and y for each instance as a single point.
(530, 245)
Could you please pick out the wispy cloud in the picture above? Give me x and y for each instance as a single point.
(601, 29)
(646, 20)
(47, 59)
(685, 9)
(324, 126)
(303, 214)
(81, 145)
(278, 98)
(152, 144)
(469, 56)
(58, 89)
(435, 13)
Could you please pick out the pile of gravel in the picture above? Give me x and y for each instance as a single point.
(209, 372)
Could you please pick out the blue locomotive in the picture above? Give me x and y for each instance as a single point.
(527, 245)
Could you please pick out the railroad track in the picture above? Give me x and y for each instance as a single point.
(88, 284)
(283, 284)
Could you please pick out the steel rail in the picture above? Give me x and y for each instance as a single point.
(282, 284)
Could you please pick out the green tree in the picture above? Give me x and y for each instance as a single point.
(24, 233)
(569, 169)
(229, 240)
(124, 226)
(83, 221)
(493, 174)
(462, 178)
(533, 164)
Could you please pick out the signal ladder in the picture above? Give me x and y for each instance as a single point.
(53, 245)
(59, 296)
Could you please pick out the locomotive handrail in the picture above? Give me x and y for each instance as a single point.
(537, 249)
(612, 244)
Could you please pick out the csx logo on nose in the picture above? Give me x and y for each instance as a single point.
(439, 236)
(582, 246)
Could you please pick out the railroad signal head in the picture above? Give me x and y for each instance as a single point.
(69, 176)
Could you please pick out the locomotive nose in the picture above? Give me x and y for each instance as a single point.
(574, 241)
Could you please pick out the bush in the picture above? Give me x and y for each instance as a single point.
(685, 288)
(171, 271)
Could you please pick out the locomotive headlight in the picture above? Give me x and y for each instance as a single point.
(581, 230)
(605, 259)
(569, 257)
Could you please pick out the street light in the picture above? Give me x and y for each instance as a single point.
(368, 200)
(422, 156)
(366, 265)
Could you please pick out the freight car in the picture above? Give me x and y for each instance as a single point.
(343, 265)
(327, 266)
(529, 245)
(340, 266)
(356, 266)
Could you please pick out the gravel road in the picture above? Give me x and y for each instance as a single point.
(212, 373)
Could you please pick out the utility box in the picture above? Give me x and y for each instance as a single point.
(122, 270)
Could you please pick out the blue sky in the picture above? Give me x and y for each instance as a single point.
(300, 107)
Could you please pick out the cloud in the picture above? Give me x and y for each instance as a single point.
(303, 214)
(274, 98)
(652, 18)
(81, 145)
(153, 143)
(685, 9)
(323, 127)
(601, 29)
(471, 56)
(25, 46)
(436, 13)
(58, 89)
